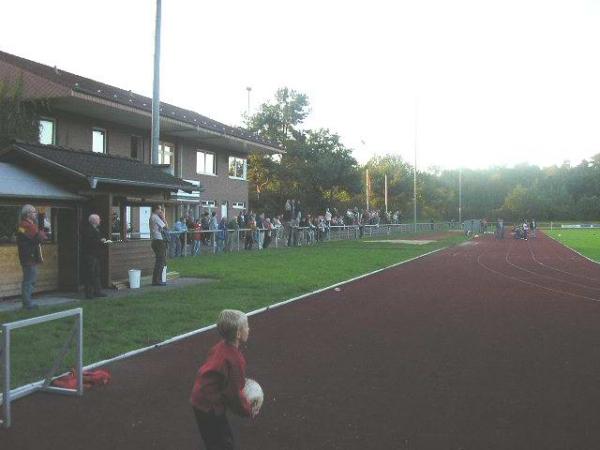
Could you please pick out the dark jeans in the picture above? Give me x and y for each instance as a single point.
(215, 430)
(92, 276)
(160, 252)
(29, 279)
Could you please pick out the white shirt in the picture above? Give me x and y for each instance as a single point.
(156, 225)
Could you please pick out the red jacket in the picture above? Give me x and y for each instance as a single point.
(29, 238)
(220, 381)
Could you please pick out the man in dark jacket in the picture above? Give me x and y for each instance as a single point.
(93, 249)
(29, 239)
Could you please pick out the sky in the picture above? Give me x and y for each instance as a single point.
(467, 83)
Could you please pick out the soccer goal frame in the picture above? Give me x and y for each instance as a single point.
(76, 334)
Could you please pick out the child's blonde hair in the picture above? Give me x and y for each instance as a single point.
(229, 322)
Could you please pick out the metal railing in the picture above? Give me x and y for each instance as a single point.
(197, 243)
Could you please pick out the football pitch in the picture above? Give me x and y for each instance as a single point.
(585, 241)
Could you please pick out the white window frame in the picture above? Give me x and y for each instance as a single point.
(104, 134)
(238, 205)
(53, 122)
(214, 167)
(161, 154)
(245, 168)
(208, 203)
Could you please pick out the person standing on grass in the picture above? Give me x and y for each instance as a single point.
(532, 227)
(220, 382)
(158, 232)
(93, 250)
(29, 243)
(268, 226)
(197, 238)
(222, 235)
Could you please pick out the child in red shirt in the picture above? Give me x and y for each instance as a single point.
(220, 382)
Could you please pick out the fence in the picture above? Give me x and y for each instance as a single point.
(197, 243)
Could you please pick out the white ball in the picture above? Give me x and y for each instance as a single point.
(337, 289)
(253, 391)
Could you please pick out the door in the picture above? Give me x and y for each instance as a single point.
(145, 213)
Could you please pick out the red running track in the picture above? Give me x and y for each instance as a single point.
(492, 345)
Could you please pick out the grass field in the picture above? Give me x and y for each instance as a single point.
(246, 281)
(585, 241)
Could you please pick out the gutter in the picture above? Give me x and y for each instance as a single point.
(95, 180)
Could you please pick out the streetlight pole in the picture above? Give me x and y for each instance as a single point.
(385, 192)
(415, 167)
(460, 195)
(155, 136)
(249, 89)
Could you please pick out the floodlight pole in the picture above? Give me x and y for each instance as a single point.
(249, 89)
(367, 183)
(460, 195)
(415, 167)
(385, 192)
(156, 88)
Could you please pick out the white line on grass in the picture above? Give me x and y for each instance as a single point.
(256, 311)
(573, 250)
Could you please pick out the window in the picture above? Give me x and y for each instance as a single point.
(98, 140)
(239, 205)
(10, 216)
(208, 203)
(205, 163)
(47, 131)
(237, 168)
(135, 145)
(166, 155)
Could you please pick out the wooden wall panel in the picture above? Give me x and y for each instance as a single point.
(11, 274)
(130, 255)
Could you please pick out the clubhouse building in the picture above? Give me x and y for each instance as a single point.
(93, 156)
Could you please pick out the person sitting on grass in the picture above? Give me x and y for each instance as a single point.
(220, 382)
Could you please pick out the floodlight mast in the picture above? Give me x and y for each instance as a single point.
(415, 167)
(156, 88)
(460, 195)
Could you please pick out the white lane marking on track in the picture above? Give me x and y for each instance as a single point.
(531, 283)
(556, 268)
(507, 258)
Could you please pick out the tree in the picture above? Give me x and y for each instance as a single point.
(19, 119)
(320, 170)
(279, 122)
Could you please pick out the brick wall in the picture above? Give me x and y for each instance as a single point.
(217, 187)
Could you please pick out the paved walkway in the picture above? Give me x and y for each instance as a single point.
(60, 298)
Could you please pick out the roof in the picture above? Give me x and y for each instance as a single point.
(17, 182)
(128, 98)
(99, 168)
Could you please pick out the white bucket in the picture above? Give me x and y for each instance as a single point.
(135, 276)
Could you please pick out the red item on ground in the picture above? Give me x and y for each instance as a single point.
(90, 378)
